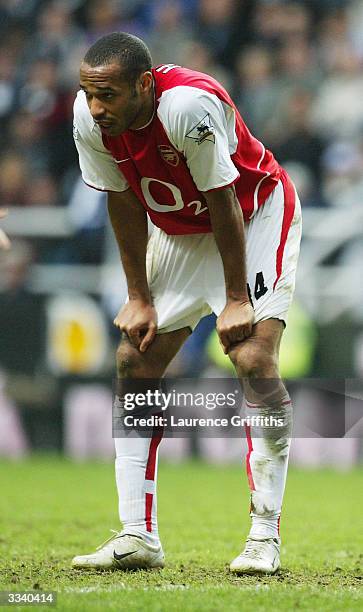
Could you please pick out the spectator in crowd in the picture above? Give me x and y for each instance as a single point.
(256, 91)
(104, 16)
(294, 67)
(297, 65)
(14, 174)
(56, 37)
(342, 165)
(299, 142)
(27, 137)
(198, 56)
(170, 33)
(43, 96)
(337, 111)
(214, 25)
(273, 22)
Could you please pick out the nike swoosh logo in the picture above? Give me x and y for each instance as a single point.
(119, 161)
(119, 557)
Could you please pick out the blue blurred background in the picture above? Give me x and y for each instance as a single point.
(294, 68)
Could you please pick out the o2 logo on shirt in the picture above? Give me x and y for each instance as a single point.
(177, 196)
(169, 155)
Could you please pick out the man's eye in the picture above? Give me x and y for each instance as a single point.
(108, 96)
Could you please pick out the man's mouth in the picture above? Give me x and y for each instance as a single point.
(105, 124)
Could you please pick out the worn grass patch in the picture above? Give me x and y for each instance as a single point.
(52, 509)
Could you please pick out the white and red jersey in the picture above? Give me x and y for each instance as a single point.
(195, 142)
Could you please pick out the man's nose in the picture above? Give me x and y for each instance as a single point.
(96, 109)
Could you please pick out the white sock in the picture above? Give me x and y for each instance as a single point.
(266, 462)
(136, 474)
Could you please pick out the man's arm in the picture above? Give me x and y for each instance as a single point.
(129, 222)
(209, 161)
(235, 322)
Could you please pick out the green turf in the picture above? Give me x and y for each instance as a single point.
(52, 509)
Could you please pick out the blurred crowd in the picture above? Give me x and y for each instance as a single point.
(293, 67)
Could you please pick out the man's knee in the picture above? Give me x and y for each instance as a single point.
(254, 359)
(130, 363)
(126, 361)
(257, 365)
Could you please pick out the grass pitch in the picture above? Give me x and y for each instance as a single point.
(52, 509)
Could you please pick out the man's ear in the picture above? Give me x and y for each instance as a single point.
(146, 82)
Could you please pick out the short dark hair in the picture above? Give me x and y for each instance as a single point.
(130, 51)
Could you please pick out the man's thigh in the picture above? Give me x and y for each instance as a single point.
(154, 361)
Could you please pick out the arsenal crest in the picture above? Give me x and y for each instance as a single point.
(169, 155)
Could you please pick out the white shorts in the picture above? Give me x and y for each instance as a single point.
(185, 273)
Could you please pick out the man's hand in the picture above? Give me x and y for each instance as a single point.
(138, 320)
(4, 240)
(234, 324)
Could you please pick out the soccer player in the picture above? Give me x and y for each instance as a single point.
(168, 142)
(4, 240)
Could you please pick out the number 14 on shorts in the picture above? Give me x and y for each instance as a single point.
(259, 289)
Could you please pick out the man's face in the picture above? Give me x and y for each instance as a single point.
(115, 104)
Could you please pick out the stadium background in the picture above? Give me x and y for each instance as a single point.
(295, 72)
